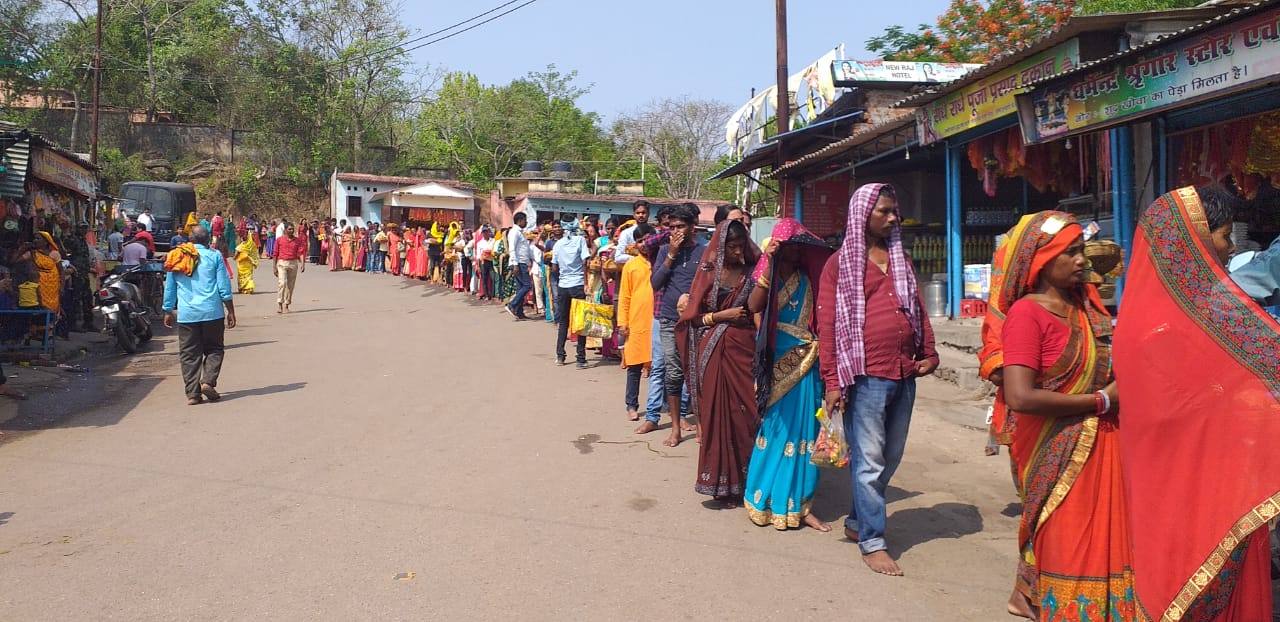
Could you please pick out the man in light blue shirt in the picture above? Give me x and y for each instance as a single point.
(568, 259)
(201, 305)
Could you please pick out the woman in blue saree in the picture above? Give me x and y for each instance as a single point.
(780, 478)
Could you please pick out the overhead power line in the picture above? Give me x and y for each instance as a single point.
(394, 50)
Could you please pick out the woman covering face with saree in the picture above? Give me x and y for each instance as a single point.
(781, 479)
(1196, 363)
(716, 338)
(1073, 542)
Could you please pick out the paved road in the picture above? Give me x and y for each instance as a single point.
(386, 427)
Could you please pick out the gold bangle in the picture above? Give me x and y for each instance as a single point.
(708, 319)
(763, 281)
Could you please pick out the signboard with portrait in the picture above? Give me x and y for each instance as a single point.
(992, 97)
(855, 72)
(1222, 59)
(431, 214)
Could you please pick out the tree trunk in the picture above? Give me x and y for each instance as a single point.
(357, 144)
(75, 119)
(151, 76)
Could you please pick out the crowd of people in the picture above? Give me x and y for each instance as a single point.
(742, 345)
(1119, 441)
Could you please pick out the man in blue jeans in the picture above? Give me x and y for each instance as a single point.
(568, 260)
(673, 271)
(520, 259)
(874, 340)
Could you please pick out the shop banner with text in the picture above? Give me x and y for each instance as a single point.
(855, 72)
(63, 171)
(991, 98)
(1214, 62)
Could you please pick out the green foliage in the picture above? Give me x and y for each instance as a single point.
(117, 169)
(242, 188)
(482, 131)
(1093, 7)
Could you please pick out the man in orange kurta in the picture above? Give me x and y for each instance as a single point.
(635, 320)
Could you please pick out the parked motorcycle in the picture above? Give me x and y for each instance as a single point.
(124, 309)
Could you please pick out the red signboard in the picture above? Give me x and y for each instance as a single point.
(824, 207)
(442, 216)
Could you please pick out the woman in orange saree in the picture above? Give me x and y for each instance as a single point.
(1073, 542)
(1196, 362)
(395, 238)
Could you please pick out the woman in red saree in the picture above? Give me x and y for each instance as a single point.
(362, 250)
(716, 337)
(1196, 362)
(1073, 542)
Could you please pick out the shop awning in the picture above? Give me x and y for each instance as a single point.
(867, 140)
(1232, 52)
(763, 155)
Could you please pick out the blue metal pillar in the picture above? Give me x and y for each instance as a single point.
(1161, 157)
(1122, 200)
(955, 257)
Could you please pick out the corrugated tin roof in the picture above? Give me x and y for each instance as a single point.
(402, 181)
(13, 183)
(1073, 28)
(1238, 12)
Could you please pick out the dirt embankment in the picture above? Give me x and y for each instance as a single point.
(268, 198)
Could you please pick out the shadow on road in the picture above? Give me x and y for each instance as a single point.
(834, 498)
(275, 388)
(5, 516)
(62, 406)
(247, 344)
(915, 526)
(291, 312)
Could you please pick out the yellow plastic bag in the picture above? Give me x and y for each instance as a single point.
(590, 320)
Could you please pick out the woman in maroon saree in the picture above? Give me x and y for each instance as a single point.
(716, 337)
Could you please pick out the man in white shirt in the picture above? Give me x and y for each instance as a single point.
(640, 210)
(520, 259)
(144, 219)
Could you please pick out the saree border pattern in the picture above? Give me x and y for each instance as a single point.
(1233, 324)
(1208, 572)
(791, 367)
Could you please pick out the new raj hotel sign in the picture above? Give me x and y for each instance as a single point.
(1224, 59)
(993, 97)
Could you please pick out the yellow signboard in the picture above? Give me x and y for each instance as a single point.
(991, 98)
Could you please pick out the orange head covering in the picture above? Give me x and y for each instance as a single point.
(1015, 271)
(49, 238)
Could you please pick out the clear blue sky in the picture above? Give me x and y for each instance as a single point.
(632, 52)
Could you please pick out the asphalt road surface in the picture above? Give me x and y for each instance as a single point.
(394, 451)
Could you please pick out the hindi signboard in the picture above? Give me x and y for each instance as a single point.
(60, 170)
(1219, 60)
(991, 98)
(855, 72)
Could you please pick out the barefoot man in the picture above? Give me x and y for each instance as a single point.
(873, 342)
(291, 251)
(677, 262)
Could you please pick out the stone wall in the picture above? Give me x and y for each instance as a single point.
(172, 141)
